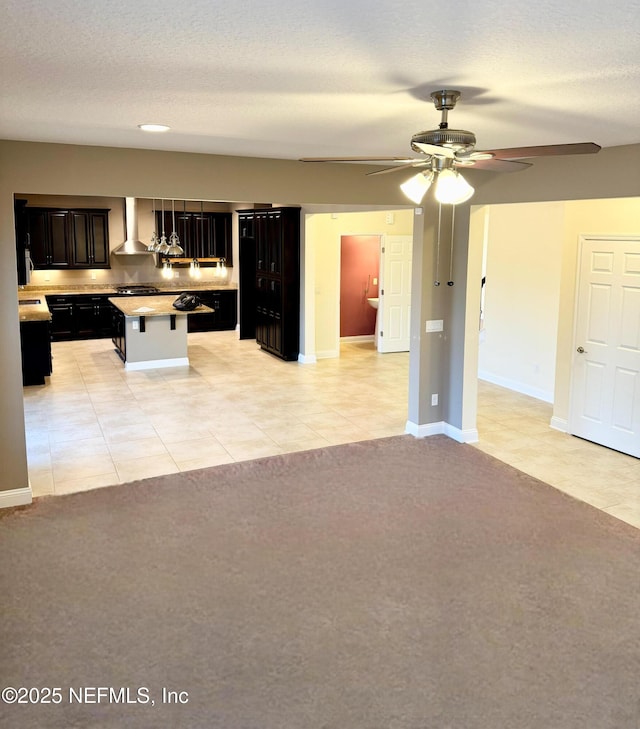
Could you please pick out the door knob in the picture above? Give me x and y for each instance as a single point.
(582, 350)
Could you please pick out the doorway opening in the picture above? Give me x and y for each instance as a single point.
(359, 273)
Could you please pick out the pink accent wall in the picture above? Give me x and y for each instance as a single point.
(359, 265)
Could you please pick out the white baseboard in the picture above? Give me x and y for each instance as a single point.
(307, 358)
(328, 354)
(359, 338)
(154, 364)
(469, 435)
(559, 424)
(516, 386)
(424, 430)
(16, 497)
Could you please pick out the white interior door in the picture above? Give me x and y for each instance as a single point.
(605, 387)
(394, 307)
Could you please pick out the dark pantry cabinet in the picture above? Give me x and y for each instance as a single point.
(274, 235)
(62, 238)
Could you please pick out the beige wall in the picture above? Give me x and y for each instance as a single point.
(523, 261)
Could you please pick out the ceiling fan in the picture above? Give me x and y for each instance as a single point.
(444, 150)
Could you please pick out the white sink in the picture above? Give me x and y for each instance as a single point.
(373, 302)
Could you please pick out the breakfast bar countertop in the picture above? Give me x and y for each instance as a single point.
(33, 307)
(161, 305)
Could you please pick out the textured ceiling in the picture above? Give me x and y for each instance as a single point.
(292, 78)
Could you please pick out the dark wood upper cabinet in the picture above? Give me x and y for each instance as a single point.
(61, 238)
(202, 235)
(38, 237)
(99, 238)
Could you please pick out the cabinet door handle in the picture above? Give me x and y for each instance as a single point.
(273, 267)
(259, 262)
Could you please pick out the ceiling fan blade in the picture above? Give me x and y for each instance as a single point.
(354, 159)
(548, 150)
(414, 163)
(464, 156)
(497, 165)
(435, 150)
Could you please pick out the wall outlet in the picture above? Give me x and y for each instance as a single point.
(176, 274)
(47, 277)
(93, 276)
(434, 399)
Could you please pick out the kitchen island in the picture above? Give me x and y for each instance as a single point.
(149, 333)
(35, 338)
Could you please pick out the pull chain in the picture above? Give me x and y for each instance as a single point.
(453, 217)
(437, 281)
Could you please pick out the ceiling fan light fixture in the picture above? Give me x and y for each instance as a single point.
(481, 155)
(415, 188)
(452, 188)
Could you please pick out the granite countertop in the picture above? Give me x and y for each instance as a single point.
(88, 289)
(40, 311)
(33, 312)
(158, 305)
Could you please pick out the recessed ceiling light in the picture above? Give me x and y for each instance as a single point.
(154, 127)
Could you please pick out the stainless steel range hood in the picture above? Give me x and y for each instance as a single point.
(132, 245)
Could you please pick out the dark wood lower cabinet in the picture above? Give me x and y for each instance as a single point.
(62, 317)
(118, 332)
(93, 317)
(84, 316)
(225, 305)
(80, 316)
(35, 340)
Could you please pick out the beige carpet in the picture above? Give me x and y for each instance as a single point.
(389, 584)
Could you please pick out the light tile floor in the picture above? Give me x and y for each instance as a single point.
(93, 424)
(515, 429)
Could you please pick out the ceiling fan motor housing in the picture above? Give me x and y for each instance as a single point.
(459, 140)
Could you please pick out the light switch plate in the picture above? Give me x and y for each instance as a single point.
(434, 325)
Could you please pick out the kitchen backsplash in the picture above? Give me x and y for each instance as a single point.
(130, 273)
